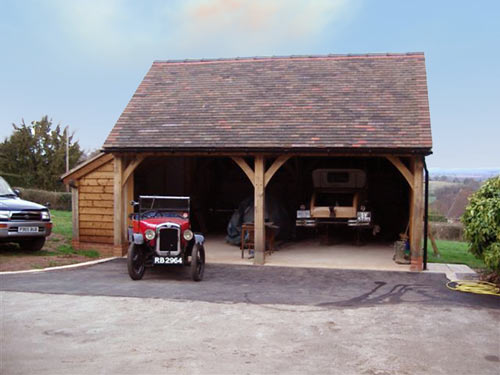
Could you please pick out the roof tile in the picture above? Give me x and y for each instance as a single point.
(298, 102)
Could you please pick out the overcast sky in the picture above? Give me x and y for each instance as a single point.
(79, 62)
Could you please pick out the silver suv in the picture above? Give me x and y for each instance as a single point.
(23, 222)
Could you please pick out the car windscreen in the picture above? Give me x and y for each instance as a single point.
(5, 188)
(334, 199)
(164, 204)
(156, 214)
(337, 177)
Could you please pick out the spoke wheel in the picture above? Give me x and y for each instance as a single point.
(197, 262)
(135, 262)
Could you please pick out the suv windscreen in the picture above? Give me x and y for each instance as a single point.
(5, 189)
(334, 199)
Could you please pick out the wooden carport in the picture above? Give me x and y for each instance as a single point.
(262, 111)
(259, 176)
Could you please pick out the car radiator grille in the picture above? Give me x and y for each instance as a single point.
(25, 216)
(168, 239)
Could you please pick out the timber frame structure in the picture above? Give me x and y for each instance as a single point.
(124, 166)
(261, 112)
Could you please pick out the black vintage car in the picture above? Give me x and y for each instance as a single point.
(23, 222)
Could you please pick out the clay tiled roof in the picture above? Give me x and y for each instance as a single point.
(297, 103)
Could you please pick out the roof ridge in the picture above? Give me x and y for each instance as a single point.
(331, 56)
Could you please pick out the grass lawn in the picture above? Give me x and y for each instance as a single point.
(63, 226)
(56, 251)
(63, 223)
(454, 252)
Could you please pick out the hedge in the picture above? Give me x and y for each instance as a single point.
(482, 223)
(447, 231)
(58, 200)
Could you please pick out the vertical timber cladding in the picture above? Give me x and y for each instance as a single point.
(96, 205)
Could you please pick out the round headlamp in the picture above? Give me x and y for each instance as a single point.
(188, 235)
(149, 234)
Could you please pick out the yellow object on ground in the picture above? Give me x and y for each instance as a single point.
(478, 287)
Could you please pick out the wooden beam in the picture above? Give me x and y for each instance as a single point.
(433, 241)
(330, 154)
(417, 214)
(280, 160)
(86, 167)
(402, 169)
(118, 227)
(75, 214)
(245, 167)
(131, 168)
(259, 210)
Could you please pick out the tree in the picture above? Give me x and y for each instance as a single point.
(482, 223)
(34, 156)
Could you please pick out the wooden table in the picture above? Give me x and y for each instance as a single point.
(248, 233)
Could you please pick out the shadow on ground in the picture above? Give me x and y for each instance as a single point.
(323, 288)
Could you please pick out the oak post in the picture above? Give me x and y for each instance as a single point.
(75, 214)
(118, 224)
(128, 196)
(417, 214)
(259, 201)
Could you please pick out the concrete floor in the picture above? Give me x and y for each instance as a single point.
(310, 253)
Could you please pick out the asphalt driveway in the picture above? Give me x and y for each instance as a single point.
(325, 288)
(244, 319)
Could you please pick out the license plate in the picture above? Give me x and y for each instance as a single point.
(303, 214)
(364, 216)
(27, 229)
(167, 260)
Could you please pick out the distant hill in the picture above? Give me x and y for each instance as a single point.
(462, 173)
(450, 189)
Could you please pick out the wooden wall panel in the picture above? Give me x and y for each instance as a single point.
(96, 197)
(96, 210)
(95, 232)
(108, 167)
(99, 189)
(89, 217)
(95, 205)
(103, 203)
(96, 182)
(98, 174)
(97, 239)
(96, 225)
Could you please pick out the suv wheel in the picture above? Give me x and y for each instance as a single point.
(197, 262)
(34, 244)
(135, 262)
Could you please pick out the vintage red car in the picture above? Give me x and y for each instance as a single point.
(161, 235)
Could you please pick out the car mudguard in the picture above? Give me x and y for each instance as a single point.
(199, 239)
(137, 238)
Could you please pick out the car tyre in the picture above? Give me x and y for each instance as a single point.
(197, 262)
(135, 262)
(35, 244)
